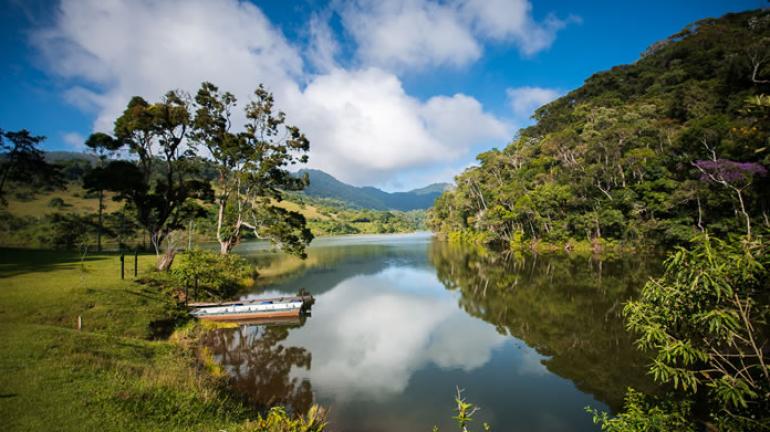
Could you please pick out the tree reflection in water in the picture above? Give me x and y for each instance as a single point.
(260, 365)
(567, 308)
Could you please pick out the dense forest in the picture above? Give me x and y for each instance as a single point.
(650, 152)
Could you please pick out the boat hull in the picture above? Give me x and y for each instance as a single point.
(251, 310)
(252, 316)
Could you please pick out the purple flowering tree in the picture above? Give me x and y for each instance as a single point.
(733, 175)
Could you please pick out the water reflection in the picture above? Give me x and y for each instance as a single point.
(567, 308)
(260, 364)
(398, 323)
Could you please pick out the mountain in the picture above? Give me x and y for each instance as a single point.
(323, 185)
(653, 151)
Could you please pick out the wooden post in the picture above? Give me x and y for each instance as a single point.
(189, 235)
(136, 260)
(196, 287)
(80, 322)
(186, 293)
(122, 265)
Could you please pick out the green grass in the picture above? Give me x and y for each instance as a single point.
(74, 199)
(111, 375)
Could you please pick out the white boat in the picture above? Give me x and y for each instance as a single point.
(280, 307)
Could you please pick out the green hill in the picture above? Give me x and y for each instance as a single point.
(323, 185)
(652, 151)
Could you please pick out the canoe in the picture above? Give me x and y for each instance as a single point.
(256, 309)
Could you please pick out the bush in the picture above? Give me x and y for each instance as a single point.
(218, 276)
(68, 231)
(641, 414)
(57, 203)
(706, 323)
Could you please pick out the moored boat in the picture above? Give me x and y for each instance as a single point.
(257, 309)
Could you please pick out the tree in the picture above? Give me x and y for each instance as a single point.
(165, 186)
(252, 169)
(99, 179)
(21, 160)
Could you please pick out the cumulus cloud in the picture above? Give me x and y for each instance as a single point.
(367, 127)
(525, 100)
(511, 20)
(126, 48)
(363, 127)
(409, 33)
(403, 34)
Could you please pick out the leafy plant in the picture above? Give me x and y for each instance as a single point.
(464, 413)
(706, 323)
(643, 414)
(218, 276)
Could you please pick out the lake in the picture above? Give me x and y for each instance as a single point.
(401, 321)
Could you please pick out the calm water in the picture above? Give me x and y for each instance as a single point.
(400, 321)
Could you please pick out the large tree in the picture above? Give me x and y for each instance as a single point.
(252, 169)
(165, 188)
(22, 160)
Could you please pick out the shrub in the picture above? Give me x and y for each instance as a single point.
(57, 203)
(217, 276)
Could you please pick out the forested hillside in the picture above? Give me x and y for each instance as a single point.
(653, 151)
(323, 185)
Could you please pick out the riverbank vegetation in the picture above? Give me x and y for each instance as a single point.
(671, 151)
(646, 153)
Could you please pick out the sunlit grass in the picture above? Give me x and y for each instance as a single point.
(108, 376)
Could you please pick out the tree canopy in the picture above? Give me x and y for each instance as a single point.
(623, 156)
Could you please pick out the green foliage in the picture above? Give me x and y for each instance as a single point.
(465, 411)
(68, 231)
(277, 420)
(217, 276)
(706, 321)
(614, 158)
(252, 168)
(22, 162)
(644, 414)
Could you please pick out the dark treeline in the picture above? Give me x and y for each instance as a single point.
(653, 151)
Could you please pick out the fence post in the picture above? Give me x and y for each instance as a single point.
(186, 293)
(196, 286)
(122, 265)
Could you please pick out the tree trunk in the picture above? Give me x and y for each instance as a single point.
(225, 246)
(167, 259)
(101, 220)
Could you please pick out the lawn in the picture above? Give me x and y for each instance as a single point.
(115, 373)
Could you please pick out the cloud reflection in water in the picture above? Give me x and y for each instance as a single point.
(370, 333)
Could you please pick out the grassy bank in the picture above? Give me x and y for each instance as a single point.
(118, 372)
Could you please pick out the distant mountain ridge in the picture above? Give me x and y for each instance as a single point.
(324, 185)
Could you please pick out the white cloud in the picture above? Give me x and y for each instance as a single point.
(525, 100)
(401, 34)
(407, 33)
(363, 127)
(322, 47)
(75, 140)
(511, 20)
(127, 48)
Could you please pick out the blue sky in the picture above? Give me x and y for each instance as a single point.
(395, 93)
